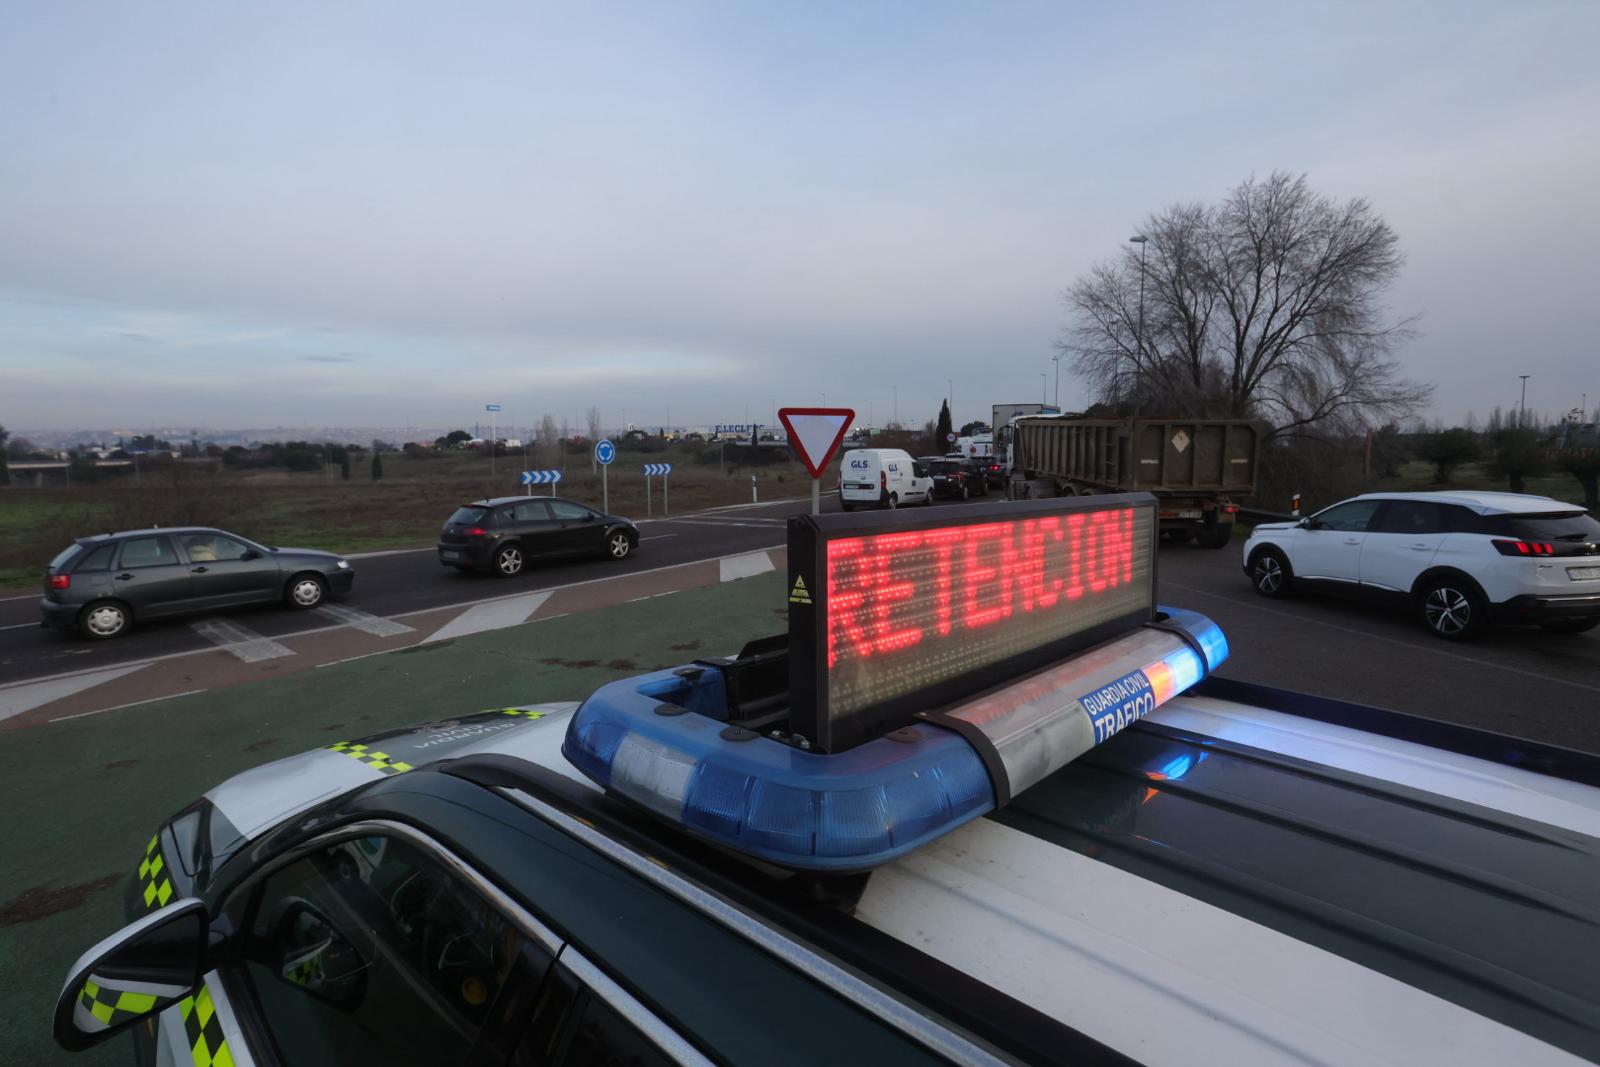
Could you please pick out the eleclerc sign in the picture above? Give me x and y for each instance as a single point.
(891, 614)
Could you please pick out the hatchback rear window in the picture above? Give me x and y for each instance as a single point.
(64, 555)
(468, 516)
(1561, 526)
(97, 560)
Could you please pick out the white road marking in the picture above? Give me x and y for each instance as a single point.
(388, 552)
(133, 704)
(492, 615)
(652, 537)
(745, 566)
(21, 625)
(636, 599)
(724, 524)
(240, 641)
(14, 700)
(364, 621)
(1410, 645)
(25, 596)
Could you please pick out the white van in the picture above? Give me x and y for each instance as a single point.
(887, 476)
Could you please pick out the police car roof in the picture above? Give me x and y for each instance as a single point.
(1233, 882)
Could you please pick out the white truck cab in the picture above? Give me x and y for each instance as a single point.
(886, 476)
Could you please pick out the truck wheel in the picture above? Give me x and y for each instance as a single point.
(894, 501)
(1216, 536)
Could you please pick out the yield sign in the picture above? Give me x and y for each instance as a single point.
(815, 433)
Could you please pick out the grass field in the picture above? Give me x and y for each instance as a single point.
(311, 510)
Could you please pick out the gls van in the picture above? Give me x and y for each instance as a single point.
(887, 476)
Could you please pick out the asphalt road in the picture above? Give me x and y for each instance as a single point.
(1520, 681)
(391, 583)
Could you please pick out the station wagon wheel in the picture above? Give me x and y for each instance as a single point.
(619, 546)
(508, 561)
(306, 590)
(103, 621)
(1270, 573)
(1451, 609)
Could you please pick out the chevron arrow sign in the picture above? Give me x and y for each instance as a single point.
(540, 477)
(652, 470)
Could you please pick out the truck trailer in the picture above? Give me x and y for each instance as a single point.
(1198, 469)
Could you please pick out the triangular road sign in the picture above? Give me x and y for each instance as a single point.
(799, 594)
(815, 433)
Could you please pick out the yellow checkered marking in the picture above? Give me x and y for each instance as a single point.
(157, 886)
(520, 711)
(378, 761)
(208, 1044)
(106, 1008)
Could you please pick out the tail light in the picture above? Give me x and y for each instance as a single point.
(477, 531)
(1524, 548)
(61, 581)
(1230, 509)
(883, 480)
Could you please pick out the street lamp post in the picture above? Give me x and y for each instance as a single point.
(1522, 405)
(1138, 338)
(1056, 359)
(1044, 388)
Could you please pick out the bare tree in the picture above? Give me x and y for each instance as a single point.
(1267, 305)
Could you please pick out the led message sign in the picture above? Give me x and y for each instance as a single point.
(891, 614)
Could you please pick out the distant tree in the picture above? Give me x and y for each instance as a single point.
(5, 468)
(344, 465)
(1391, 450)
(1448, 449)
(593, 418)
(83, 468)
(549, 439)
(377, 466)
(1269, 304)
(942, 429)
(975, 427)
(19, 448)
(1516, 454)
(1584, 465)
(452, 439)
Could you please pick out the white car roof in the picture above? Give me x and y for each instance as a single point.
(1484, 503)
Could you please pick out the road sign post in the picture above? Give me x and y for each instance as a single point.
(494, 415)
(656, 470)
(604, 453)
(814, 434)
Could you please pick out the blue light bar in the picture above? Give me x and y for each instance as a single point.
(848, 811)
(661, 740)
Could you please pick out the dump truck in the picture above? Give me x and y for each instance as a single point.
(1198, 469)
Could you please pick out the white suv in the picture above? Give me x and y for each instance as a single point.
(1461, 560)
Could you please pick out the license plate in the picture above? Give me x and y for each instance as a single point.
(1188, 514)
(447, 554)
(1581, 574)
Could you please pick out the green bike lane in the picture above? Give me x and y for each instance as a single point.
(83, 796)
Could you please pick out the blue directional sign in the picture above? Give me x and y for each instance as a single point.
(605, 452)
(540, 477)
(491, 407)
(652, 470)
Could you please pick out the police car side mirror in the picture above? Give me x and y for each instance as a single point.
(137, 972)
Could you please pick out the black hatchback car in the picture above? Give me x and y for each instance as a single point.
(503, 534)
(102, 584)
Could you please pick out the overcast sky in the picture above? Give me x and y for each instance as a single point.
(378, 214)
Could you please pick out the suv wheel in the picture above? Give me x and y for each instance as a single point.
(508, 561)
(1270, 573)
(618, 545)
(305, 591)
(103, 621)
(1451, 609)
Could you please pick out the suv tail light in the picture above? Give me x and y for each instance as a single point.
(1524, 548)
(61, 581)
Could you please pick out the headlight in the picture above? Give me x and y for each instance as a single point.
(344, 564)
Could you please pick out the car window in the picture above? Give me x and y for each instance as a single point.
(468, 516)
(64, 555)
(147, 552)
(1411, 517)
(1352, 517)
(1562, 526)
(566, 511)
(97, 560)
(532, 511)
(604, 1038)
(370, 952)
(212, 548)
